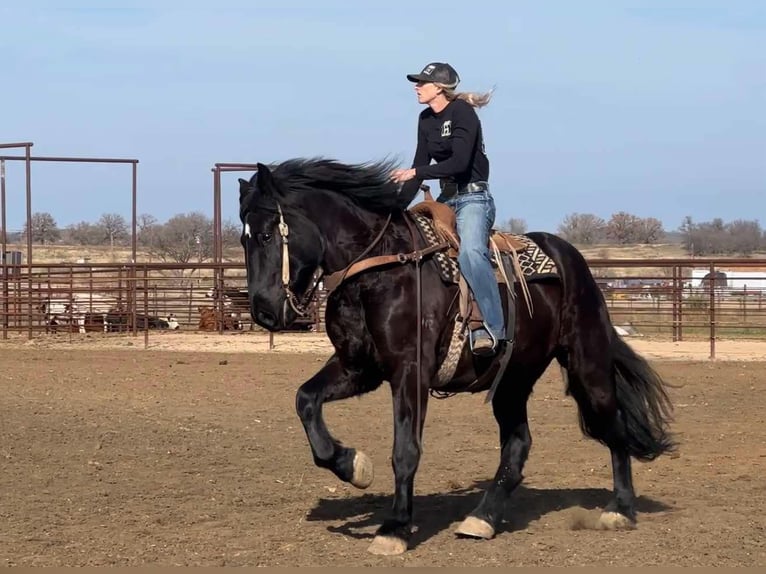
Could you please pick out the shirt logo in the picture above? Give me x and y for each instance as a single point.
(447, 129)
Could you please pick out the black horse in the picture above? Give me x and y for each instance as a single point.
(302, 218)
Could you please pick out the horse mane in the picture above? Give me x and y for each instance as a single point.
(367, 184)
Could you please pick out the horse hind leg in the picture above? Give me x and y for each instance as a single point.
(622, 405)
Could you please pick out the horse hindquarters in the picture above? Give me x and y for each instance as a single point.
(620, 398)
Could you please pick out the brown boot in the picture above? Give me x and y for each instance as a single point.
(483, 345)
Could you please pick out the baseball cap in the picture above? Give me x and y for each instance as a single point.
(437, 72)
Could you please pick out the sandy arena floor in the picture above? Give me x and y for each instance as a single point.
(190, 453)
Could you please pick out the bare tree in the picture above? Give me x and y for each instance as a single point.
(650, 230)
(113, 227)
(183, 237)
(83, 233)
(716, 237)
(44, 228)
(515, 225)
(145, 221)
(744, 236)
(582, 228)
(711, 237)
(230, 233)
(687, 230)
(146, 229)
(623, 228)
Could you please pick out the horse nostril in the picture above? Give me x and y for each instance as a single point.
(266, 319)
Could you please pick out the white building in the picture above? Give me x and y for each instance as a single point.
(739, 280)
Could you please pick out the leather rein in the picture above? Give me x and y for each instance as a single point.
(360, 264)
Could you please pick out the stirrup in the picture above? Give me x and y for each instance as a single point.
(487, 344)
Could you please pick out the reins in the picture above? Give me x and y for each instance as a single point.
(363, 263)
(333, 280)
(416, 256)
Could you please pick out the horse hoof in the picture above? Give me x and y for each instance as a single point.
(475, 528)
(615, 521)
(364, 471)
(387, 546)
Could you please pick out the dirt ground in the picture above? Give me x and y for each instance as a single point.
(190, 453)
(309, 342)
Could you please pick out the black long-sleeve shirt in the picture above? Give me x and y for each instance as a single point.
(454, 139)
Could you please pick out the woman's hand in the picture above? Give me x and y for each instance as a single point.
(402, 175)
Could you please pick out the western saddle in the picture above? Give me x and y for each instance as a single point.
(503, 247)
(500, 244)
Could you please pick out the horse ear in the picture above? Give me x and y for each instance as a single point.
(264, 176)
(244, 188)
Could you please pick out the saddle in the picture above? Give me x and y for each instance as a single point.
(437, 224)
(445, 222)
(502, 246)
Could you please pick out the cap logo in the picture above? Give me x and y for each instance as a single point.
(428, 70)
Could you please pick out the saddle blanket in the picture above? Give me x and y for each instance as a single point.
(534, 262)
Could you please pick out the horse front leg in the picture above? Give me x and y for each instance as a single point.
(334, 382)
(409, 415)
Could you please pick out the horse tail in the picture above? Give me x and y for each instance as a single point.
(644, 403)
(599, 361)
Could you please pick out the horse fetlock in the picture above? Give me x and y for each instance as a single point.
(363, 470)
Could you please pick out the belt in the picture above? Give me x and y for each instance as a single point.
(451, 188)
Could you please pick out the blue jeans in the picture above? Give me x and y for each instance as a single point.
(475, 216)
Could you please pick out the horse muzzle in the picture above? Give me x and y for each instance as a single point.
(266, 315)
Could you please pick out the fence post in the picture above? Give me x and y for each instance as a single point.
(744, 307)
(146, 307)
(675, 296)
(712, 282)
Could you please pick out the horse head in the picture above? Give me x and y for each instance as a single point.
(283, 251)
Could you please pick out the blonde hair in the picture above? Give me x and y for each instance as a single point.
(476, 99)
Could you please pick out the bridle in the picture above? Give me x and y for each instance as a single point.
(358, 265)
(299, 305)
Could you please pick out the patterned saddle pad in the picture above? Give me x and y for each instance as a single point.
(534, 262)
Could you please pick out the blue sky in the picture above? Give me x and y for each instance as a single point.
(654, 107)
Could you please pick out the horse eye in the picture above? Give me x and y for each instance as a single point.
(265, 237)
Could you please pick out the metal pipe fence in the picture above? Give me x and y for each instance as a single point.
(663, 298)
(651, 298)
(28, 160)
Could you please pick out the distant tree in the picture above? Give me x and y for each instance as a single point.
(113, 227)
(83, 233)
(183, 238)
(145, 221)
(716, 237)
(745, 237)
(582, 228)
(230, 233)
(649, 230)
(514, 225)
(146, 229)
(711, 238)
(44, 228)
(623, 228)
(687, 229)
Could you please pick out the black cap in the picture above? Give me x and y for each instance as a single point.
(438, 73)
